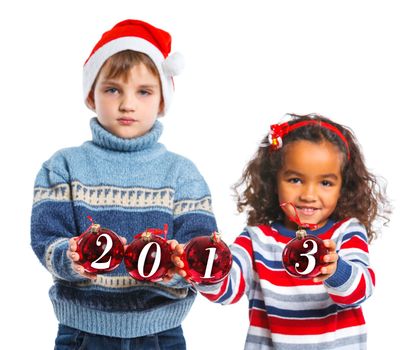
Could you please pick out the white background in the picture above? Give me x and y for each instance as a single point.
(247, 65)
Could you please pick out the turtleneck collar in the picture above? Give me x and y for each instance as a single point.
(105, 139)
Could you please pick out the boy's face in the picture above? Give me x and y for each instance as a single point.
(310, 179)
(128, 107)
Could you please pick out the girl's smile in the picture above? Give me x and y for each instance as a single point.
(306, 211)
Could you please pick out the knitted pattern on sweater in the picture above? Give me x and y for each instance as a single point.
(288, 313)
(126, 185)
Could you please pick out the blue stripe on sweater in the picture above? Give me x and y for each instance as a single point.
(341, 275)
(245, 234)
(349, 235)
(312, 313)
(271, 264)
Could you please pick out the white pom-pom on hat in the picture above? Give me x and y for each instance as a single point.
(174, 64)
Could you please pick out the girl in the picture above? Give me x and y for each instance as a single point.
(317, 166)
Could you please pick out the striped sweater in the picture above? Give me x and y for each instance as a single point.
(287, 313)
(126, 185)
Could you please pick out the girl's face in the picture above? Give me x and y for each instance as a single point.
(310, 179)
(127, 108)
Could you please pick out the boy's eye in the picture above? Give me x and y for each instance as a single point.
(144, 92)
(111, 90)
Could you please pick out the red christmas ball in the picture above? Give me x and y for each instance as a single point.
(100, 250)
(148, 257)
(303, 256)
(207, 259)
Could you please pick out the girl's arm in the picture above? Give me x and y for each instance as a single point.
(240, 278)
(354, 280)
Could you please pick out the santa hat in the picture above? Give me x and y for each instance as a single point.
(137, 36)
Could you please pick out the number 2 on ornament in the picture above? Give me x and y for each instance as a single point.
(100, 250)
(107, 247)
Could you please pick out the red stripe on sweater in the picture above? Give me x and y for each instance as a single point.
(281, 277)
(372, 274)
(355, 296)
(259, 318)
(245, 243)
(214, 297)
(344, 319)
(355, 242)
(270, 232)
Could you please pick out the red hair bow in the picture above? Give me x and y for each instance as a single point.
(278, 131)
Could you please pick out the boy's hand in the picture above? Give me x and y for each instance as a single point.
(330, 258)
(75, 257)
(177, 250)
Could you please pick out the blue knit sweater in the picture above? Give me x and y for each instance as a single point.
(126, 185)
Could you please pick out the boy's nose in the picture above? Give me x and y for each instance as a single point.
(127, 104)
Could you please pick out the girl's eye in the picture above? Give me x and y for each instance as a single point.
(294, 180)
(326, 183)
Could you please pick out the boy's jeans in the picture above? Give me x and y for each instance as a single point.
(74, 339)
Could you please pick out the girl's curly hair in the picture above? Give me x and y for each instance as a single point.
(361, 196)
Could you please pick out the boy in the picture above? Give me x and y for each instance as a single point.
(127, 182)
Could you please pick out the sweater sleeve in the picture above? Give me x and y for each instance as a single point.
(192, 211)
(240, 278)
(354, 280)
(193, 215)
(52, 220)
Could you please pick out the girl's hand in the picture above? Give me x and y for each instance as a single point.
(75, 257)
(330, 258)
(177, 250)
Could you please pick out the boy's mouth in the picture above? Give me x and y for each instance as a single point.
(126, 120)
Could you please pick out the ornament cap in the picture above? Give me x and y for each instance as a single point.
(300, 233)
(146, 236)
(95, 228)
(216, 237)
